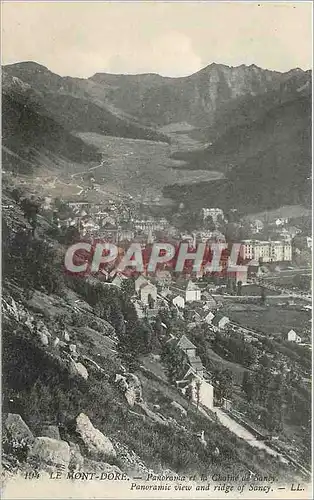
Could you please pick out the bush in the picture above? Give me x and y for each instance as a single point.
(36, 261)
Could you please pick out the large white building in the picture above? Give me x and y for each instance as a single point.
(266, 251)
(214, 213)
(151, 224)
(192, 292)
(200, 389)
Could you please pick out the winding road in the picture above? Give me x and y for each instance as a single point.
(243, 433)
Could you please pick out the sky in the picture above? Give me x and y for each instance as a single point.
(172, 39)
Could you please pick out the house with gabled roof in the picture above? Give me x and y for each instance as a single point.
(139, 282)
(186, 346)
(209, 317)
(145, 289)
(178, 301)
(210, 302)
(118, 279)
(220, 321)
(193, 361)
(292, 336)
(200, 389)
(196, 365)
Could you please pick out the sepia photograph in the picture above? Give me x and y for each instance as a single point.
(156, 249)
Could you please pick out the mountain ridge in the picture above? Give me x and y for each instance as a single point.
(212, 64)
(146, 96)
(69, 103)
(224, 108)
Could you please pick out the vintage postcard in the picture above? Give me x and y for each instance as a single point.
(156, 250)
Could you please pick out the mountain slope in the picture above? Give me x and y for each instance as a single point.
(42, 382)
(75, 104)
(250, 107)
(28, 130)
(256, 121)
(196, 99)
(267, 161)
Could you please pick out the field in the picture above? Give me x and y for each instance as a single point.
(50, 178)
(250, 290)
(223, 364)
(268, 319)
(140, 168)
(180, 134)
(288, 280)
(134, 167)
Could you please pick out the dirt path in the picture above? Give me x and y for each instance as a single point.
(243, 433)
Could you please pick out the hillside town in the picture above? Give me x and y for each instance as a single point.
(269, 241)
(209, 307)
(234, 347)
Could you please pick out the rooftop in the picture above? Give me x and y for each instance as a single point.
(185, 343)
(192, 286)
(195, 362)
(217, 318)
(146, 285)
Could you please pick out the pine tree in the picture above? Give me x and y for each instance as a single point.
(263, 295)
(116, 318)
(248, 386)
(274, 405)
(173, 359)
(198, 392)
(189, 393)
(151, 302)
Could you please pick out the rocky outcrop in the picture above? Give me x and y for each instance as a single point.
(99, 467)
(41, 327)
(18, 432)
(130, 385)
(121, 382)
(132, 463)
(73, 351)
(78, 369)
(56, 342)
(180, 408)
(97, 445)
(130, 396)
(156, 417)
(66, 336)
(94, 366)
(43, 338)
(46, 305)
(76, 459)
(134, 381)
(14, 309)
(133, 393)
(47, 452)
